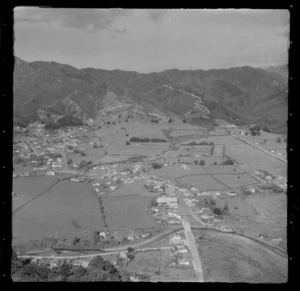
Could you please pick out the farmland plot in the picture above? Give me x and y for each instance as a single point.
(202, 182)
(128, 212)
(222, 169)
(68, 209)
(235, 181)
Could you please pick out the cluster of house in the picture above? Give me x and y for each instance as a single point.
(113, 177)
(167, 210)
(53, 263)
(180, 250)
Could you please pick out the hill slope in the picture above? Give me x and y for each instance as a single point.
(242, 94)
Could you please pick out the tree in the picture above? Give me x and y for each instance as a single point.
(153, 202)
(202, 162)
(131, 256)
(130, 249)
(70, 161)
(217, 211)
(157, 166)
(278, 140)
(127, 142)
(229, 161)
(266, 129)
(226, 208)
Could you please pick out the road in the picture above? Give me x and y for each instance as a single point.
(32, 147)
(265, 151)
(190, 239)
(89, 256)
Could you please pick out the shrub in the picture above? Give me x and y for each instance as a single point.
(202, 162)
(217, 211)
(266, 129)
(127, 142)
(228, 162)
(157, 166)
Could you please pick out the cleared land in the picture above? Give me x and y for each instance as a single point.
(229, 258)
(68, 209)
(253, 159)
(135, 188)
(176, 171)
(27, 188)
(222, 169)
(202, 182)
(128, 212)
(258, 214)
(235, 181)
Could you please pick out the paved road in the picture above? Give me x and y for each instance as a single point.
(267, 152)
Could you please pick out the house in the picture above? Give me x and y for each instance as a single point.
(166, 200)
(54, 263)
(102, 234)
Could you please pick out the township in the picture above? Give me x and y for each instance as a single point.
(84, 191)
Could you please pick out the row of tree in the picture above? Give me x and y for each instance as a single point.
(138, 139)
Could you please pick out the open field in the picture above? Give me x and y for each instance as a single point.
(177, 171)
(222, 169)
(113, 159)
(254, 159)
(257, 214)
(235, 181)
(127, 212)
(137, 148)
(66, 210)
(202, 182)
(231, 258)
(27, 188)
(135, 188)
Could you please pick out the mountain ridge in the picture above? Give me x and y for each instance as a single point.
(233, 94)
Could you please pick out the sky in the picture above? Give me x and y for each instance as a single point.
(149, 40)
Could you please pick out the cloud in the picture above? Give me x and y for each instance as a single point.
(283, 31)
(157, 15)
(89, 20)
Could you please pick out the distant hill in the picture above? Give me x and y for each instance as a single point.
(280, 70)
(241, 94)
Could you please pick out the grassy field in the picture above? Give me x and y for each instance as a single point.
(26, 188)
(222, 169)
(253, 159)
(257, 214)
(137, 148)
(66, 210)
(229, 258)
(202, 182)
(135, 188)
(235, 181)
(127, 212)
(176, 171)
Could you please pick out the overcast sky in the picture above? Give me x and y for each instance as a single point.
(152, 40)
